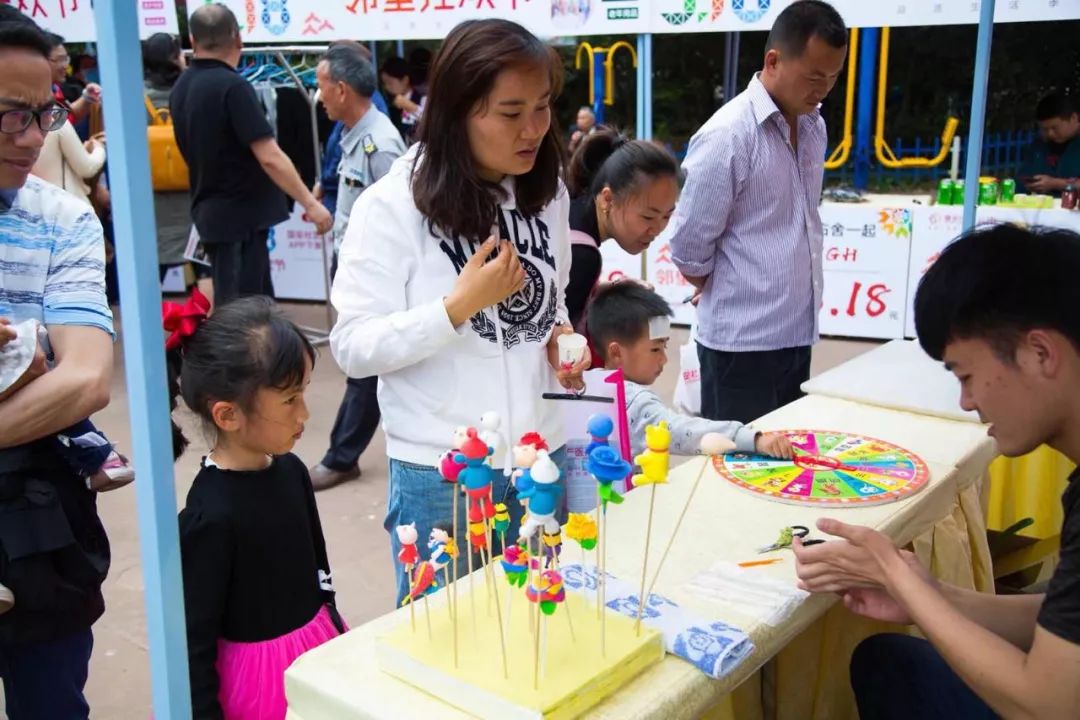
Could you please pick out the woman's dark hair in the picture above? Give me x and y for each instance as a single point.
(396, 67)
(607, 158)
(161, 60)
(447, 187)
(247, 344)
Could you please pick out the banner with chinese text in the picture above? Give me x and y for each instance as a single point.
(74, 19)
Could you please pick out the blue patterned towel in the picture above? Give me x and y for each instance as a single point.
(715, 648)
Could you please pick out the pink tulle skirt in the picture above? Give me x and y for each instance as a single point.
(252, 674)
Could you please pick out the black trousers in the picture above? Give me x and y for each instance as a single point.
(899, 677)
(356, 423)
(744, 386)
(240, 266)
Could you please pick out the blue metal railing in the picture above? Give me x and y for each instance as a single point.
(1003, 154)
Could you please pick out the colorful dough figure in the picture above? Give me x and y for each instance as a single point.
(607, 466)
(582, 529)
(515, 563)
(654, 462)
(543, 497)
(600, 428)
(546, 589)
(476, 477)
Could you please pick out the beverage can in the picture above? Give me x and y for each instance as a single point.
(945, 191)
(1008, 190)
(958, 192)
(988, 193)
(1068, 198)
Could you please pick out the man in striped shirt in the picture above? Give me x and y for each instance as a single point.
(747, 233)
(54, 553)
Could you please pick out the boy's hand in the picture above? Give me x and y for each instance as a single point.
(773, 444)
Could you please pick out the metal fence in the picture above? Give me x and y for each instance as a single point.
(1003, 153)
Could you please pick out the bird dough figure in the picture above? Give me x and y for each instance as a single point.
(654, 462)
(543, 497)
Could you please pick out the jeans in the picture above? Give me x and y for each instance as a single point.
(418, 494)
(900, 677)
(744, 386)
(45, 681)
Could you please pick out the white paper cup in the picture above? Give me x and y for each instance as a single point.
(572, 349)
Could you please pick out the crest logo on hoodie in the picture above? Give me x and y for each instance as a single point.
(529, 314)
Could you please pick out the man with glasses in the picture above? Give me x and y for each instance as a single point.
(59, 59)
(54, 553)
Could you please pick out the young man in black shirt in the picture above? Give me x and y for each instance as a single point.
(238, 172)
(1000, 309)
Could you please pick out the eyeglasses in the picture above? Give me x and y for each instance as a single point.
(13, 122)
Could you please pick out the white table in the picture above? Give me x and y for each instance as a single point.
(341, 680)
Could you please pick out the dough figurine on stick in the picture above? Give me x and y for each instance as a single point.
(409, 557)
(654, 463)
(525, 454)
(543, 497)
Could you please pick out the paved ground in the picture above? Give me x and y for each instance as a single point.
(351, 514)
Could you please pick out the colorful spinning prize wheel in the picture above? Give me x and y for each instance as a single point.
(829, 468)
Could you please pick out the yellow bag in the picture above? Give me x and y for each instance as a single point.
(168, 171)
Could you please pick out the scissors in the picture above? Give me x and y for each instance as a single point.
(787, 537)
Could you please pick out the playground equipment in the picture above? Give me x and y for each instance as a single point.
(882, 151)
(842, 152)
(602, 73)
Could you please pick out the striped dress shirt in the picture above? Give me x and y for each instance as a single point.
(748, 220)
(52, 259)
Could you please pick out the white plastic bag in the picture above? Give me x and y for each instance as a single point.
(688, 386)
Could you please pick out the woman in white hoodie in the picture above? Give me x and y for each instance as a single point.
(452, 274)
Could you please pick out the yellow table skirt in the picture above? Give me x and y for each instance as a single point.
(1028, 486)
(808, 680)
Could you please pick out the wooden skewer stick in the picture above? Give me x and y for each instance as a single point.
(412, 609)
(601, 588)
(711, 444)
(599, 502)
(427, 613)
(454, 562)
(645, 562)
(498, 612)
(472, 582)
(536, 650)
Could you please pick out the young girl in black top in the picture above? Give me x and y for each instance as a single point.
(257, 586)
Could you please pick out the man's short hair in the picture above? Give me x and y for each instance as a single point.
(353, 43)
(803, 20)
(23, 35)
(1056, 105)
(621, 313)
(346, 63)
(998, 283)
(213, 27)
(54, 40)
